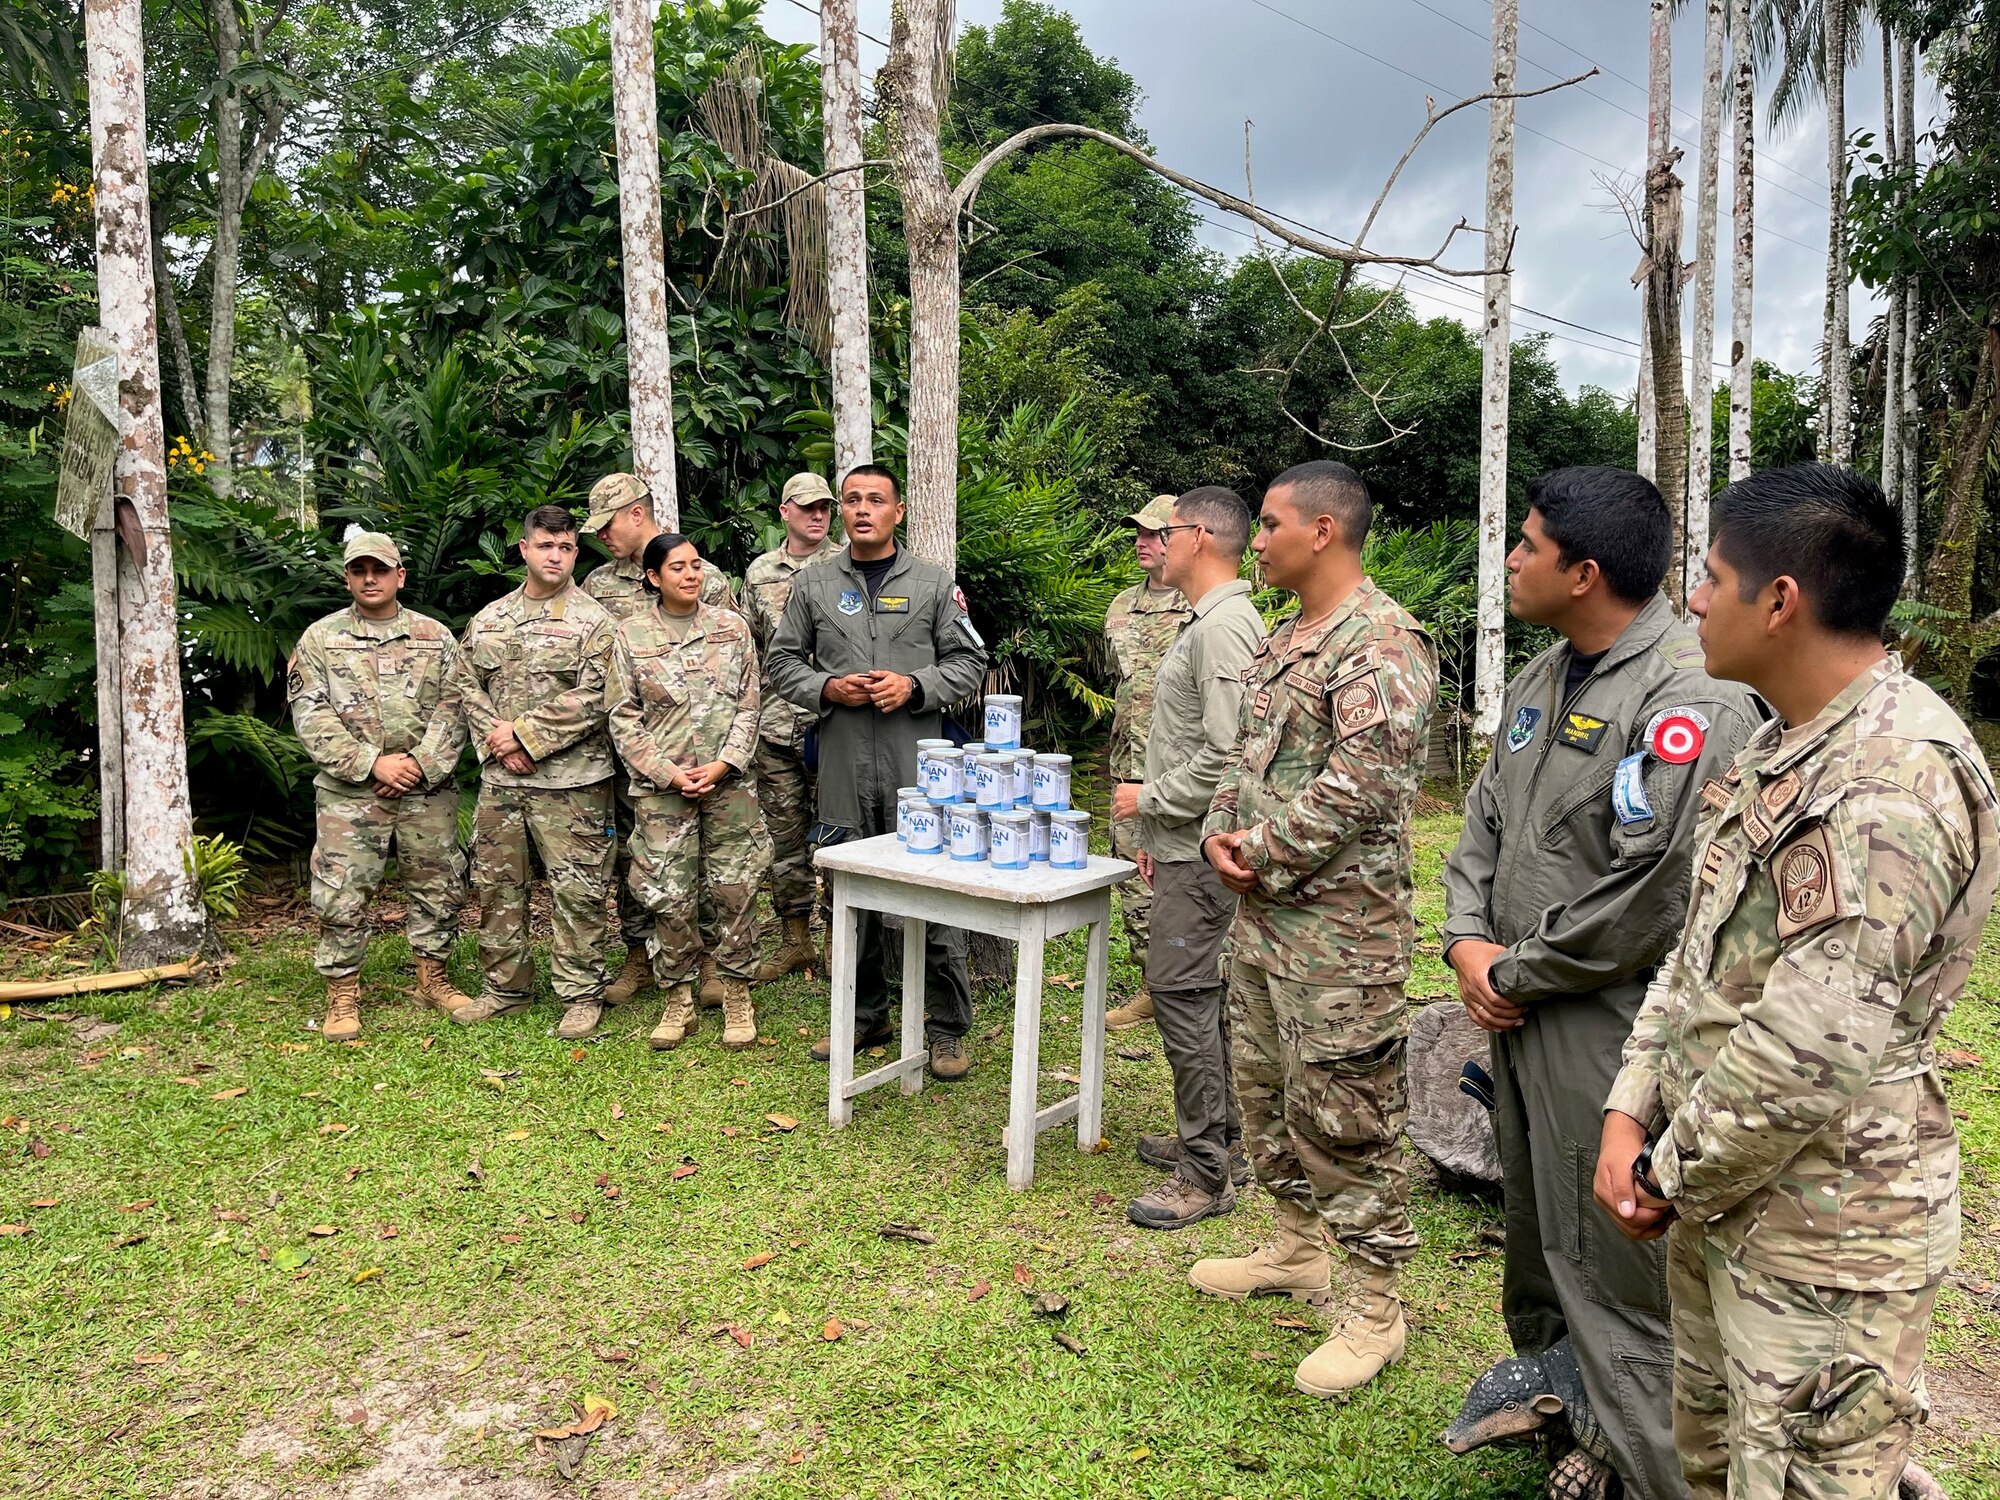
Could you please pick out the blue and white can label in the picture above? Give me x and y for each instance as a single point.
(1003, 721)
(967, 826)
(926, 829)
(1007, 840)
(1069, 840)
(1052, 782)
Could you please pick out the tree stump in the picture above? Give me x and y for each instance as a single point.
(1450, 1127)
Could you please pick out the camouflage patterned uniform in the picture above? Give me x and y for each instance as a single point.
(541, 664)
(621, 588)
(784, 785)
(1323, 783)
(361, 689)
(1141, 625)
(684, 693)
(1786, 1060)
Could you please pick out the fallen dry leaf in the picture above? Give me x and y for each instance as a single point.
(387, 1232)
(617, 1110)
(1023, 1276)
(1135, 1054)
(1297, 1325)
(476, 1172)
(322, 1231)
(1102, 1199)
(1958, 1057)
(515, 1135)
(187, 1080)
(425, 1042)
(783, 1122)
(685, 1169)
(351, 1173)
(1070, 1344)
(576, 1054)
(663, 1127)
(730, 1132)
(470, 1365)
(615, 1356)
(133, 1208)
(128, 1239)
(980, 1289)
(334, 1127)
(44, 1202)
(510, 1239)
(155, 1358)
(908, 1232)
(763, 1258)
(367, 1275)
(831, 1329)
(235, 1093)
(16, 1229)
(743, 1336)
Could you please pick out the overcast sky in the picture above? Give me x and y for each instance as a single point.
(1336, 89)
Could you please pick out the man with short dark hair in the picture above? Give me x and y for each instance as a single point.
(532, 677)
(1199, 698)
(1780, 1115)
(1566, 888)
(877, 642)
(1311, 827)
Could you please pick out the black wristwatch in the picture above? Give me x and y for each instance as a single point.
(1642, 1170)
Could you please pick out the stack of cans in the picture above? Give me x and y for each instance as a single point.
(993, 800)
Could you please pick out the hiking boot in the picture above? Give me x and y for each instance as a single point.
(822, 1050)
(343, 1009)
(1178, 1202)
(434, 986)
(579, 1019)
(795, 951)
(1164, 1152)
(711, 983)
(739, 1017)
(1368, 1336)
(948, 1059)
(676, 1020)
(636, 975)
(488, 1006)
(1293, 1264)
(1134, 1012)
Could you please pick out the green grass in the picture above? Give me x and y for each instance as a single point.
(513, 1269)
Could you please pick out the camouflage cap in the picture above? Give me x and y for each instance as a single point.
(611, 494)
(806, 489)
(1156, 515)
(371, 544)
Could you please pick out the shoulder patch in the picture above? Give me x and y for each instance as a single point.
(1359, 705)
(1676, 735)
(1776, 798)
(1715, 796)
(1522, 730)
(1808, 892)
(1681, 652)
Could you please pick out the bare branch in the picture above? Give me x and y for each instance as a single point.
(807, 186)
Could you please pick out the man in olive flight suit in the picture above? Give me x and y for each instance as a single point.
(878, 642)
(1566, 888)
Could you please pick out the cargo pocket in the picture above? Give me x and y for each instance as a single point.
(1360, 1097)
(1847, 1400)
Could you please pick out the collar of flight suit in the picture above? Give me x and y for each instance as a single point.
(899, 566)
(1770, 738)
(1641, 633)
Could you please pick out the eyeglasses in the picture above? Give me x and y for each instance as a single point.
(1167, 531)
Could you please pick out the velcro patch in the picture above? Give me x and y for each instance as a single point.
(1780, 794)
(1715, 796)
(1359, 704)
(892, 604)
(1760, 828)
(1581, 732)
(1711, 863)
(1262, 703)
(1305, 682)
(1808, 893)
(295, 683)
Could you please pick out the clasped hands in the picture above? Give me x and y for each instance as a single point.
(396, 773)
(501, 741)
(886, 691)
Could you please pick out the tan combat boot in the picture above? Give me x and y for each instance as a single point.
(434, 986)
(1134, 1012)
(488, 1007)
(739, 1017)
(1294, 1264)
(711, 983)
(676, 1021)
(795, 952)
(343, 1009)
(636, 975)
(1368, 1334)
(579, 1020)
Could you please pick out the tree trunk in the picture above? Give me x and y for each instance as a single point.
(1659, 140)
(1948, 572)
(1837, 442)
(1663, 312)
(1743, 222)
(911, 90)
(1701, 401)
(1892, 324)
(846, 237)
(170, 316)
(1649, 437)
(162, 918)
(1490, 669)
(648, 355)
(1911, 427)
(226, 251)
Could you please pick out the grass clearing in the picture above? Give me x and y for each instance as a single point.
(509, 1237)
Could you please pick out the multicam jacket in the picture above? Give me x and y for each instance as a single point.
(620, 587)
(1323, 783)
(1140, 627)
(540, 664)
(1846, 869)
(683, 693)
(361, 689)
(766, 588)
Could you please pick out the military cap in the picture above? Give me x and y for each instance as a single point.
(611, 494)
(371, 544)
(807, 489)
(1156, 515)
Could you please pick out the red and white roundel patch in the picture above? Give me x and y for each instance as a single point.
(1677, 735)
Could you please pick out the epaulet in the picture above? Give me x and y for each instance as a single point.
(1681, 652)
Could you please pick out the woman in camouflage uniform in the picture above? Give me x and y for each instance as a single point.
(684, 693)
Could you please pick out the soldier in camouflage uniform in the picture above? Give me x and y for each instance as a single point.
(684, 695)
(1141, 624)
(784, 785)
(621, 517)
(375, 707)
(1780, 1114)
(1311, 826)
(532, 677)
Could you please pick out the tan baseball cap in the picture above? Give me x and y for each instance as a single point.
(371, 544)
(1156, 515)
(806, 489)
(611, 494)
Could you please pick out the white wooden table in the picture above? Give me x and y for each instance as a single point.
(1028, 906)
